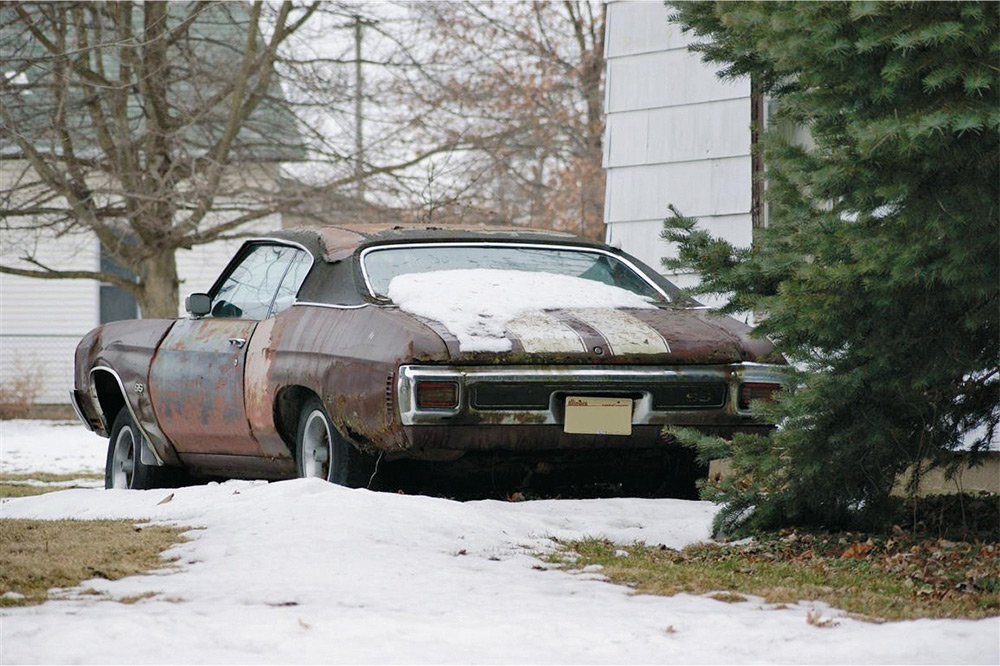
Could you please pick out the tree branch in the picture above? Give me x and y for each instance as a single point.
(46, 273)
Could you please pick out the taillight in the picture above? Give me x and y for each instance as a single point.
(757, 391)
(437, 395)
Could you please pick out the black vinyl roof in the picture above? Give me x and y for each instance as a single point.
(336, 276)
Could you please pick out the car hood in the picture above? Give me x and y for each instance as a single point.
(664, 335)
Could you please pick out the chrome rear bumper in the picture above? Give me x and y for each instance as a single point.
(523, 395)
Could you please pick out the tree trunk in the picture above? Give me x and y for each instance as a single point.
(160, 294)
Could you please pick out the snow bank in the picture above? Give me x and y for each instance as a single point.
(475, 305)
(306, 572)
(57, 447)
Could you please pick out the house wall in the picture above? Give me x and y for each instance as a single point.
(676, 134)
(41, 321)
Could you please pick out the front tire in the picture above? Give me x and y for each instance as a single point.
(321, 452)
(124, 468)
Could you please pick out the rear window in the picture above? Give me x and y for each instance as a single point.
(381, 265)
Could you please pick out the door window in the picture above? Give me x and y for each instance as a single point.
(249, 289)
(300, 264)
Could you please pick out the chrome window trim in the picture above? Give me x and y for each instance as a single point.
(280, 241)
(332, 306)
(274, 241)
(531, 246)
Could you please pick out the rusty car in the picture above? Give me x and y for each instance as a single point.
(320, 352)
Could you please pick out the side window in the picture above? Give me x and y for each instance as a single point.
(300, 265)
(249, 289)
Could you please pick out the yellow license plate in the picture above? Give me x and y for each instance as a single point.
(598, 416)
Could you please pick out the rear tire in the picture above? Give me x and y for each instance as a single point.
(322, 452)
(124, 468)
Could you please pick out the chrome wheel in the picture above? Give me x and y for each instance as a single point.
(323, 453)
(124, 468)
(317, 446)
(122, 464)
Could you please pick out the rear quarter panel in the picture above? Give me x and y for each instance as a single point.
(346, 356)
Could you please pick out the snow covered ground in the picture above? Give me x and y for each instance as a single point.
(306, 572)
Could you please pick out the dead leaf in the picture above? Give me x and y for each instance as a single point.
(816, 619)
(857, 551)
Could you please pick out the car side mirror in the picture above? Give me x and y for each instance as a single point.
(197, 304)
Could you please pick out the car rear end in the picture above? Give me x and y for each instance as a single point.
(525, 407)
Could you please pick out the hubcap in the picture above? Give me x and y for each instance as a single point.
(316, 447)
(123, 461)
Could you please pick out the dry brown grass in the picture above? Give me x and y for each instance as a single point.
(19, 393)
(24, 485)
(37, 555)
(876, 579)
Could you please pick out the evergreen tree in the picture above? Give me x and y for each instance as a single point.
(878, 271)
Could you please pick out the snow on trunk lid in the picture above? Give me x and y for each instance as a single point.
(484, 307)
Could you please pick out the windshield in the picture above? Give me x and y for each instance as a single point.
(381, 265)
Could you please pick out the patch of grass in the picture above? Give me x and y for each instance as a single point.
(876, 579)
(25, 485)
(8, 490)
(45, 477)
(37, 555)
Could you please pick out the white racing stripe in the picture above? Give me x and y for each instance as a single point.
(541, 332)
(625, 333)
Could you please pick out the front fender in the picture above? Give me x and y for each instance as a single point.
(112, 370)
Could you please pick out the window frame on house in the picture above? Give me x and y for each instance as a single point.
(115, 303)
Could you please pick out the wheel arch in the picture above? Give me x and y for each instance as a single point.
(288, 404)
(111, 398)
(107, 388)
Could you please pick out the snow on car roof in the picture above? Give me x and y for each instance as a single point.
(479, 303)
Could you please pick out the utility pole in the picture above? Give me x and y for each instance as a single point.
(359, 144)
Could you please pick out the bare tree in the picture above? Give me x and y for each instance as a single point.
(125, 120)
(368, 160)
(519, 87)
(160, 126)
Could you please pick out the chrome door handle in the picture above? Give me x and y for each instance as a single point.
(238, 342)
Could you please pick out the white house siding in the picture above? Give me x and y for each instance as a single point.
(41, 321)
(676, 134)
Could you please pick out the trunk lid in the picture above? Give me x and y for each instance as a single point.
(665, 335)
